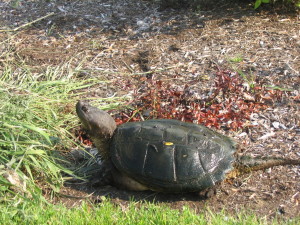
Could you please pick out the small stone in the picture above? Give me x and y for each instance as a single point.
(276, 124)
(261, 44)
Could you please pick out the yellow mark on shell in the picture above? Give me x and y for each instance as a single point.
(168, 143)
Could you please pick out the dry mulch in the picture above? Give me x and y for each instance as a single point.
(121, 41)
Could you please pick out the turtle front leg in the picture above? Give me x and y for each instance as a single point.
(104, 175)
(123, 181)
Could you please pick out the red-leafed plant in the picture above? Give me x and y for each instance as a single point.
(229, 106)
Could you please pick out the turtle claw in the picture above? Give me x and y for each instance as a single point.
(208, 193)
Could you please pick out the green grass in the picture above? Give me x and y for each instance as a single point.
(108, 213)
(36, 115)
(236, 59)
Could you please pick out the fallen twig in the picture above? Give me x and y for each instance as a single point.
(27, 24)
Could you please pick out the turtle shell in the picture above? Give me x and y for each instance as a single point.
(172, 156)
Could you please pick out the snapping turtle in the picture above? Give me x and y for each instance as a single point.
(164, 155)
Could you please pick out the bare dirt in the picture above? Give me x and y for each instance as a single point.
(120, 41)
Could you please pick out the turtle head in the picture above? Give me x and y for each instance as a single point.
(98, 124)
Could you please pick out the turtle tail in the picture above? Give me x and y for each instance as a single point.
(247, 164)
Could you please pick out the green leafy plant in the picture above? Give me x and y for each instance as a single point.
(295, 3)
(259, 2)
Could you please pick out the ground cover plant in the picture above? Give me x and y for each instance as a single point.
(235, 70)
(230, 105)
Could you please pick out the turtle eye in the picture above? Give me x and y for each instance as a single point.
(84, 109)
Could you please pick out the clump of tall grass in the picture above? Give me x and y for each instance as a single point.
(36, 115)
